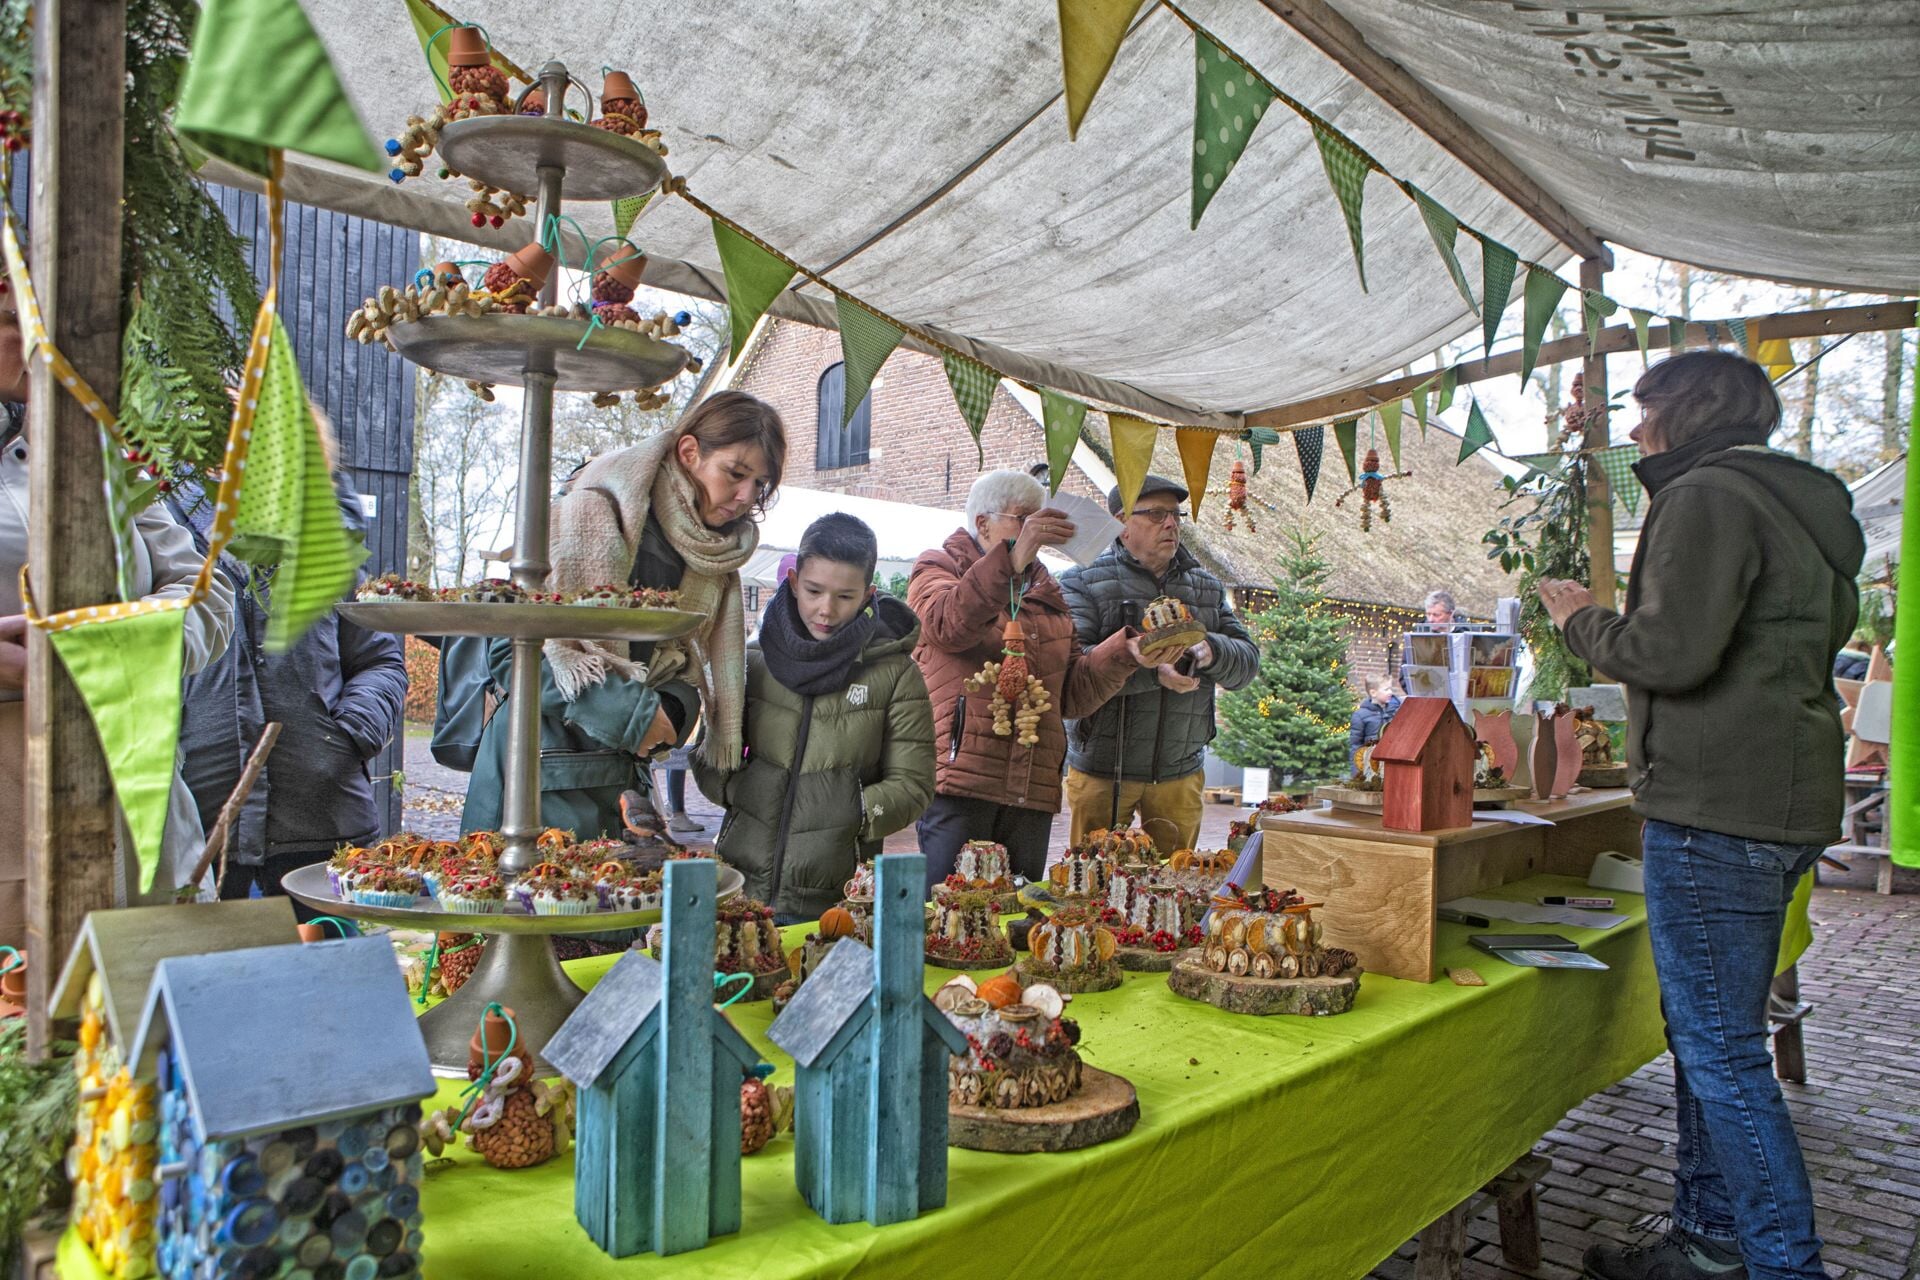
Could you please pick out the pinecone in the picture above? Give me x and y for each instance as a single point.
(457, 966)
(520, 1138)
(756, 1116)
(488, 80)
(608, 289)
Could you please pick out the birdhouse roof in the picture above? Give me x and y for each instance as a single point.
(273, 1037)
(124, 947)
(835, 1002)
(1413, 727)
(621, 1005)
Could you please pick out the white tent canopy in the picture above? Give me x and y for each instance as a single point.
(918, 155)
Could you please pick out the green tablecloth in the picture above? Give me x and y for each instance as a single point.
(1291, 1146)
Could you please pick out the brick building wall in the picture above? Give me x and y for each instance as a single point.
(919, 451)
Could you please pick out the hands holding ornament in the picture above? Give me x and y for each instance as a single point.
(1044, 528)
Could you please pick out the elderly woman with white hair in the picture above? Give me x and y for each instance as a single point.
(989, 785)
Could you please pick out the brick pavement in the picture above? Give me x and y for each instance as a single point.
(1858, 1115)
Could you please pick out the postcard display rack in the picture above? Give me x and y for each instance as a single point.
(541, 354)
(1478, 670)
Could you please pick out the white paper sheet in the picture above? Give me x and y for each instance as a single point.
(1534, 913)
(1093, 529)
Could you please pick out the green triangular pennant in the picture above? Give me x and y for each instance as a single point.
(1390, 427)
(1497, 266)
(866, 340)
(1595, 307)
(1449, 378)
(1542, 462)
(1344, 433)
(1419, 396)
(1542, 292)
(1257, 439)
(257, 80)
(287, 510)
(1617, 463)
(1640, 321)
(1445, 230)
(973, 385)
(425, 24)
(1309, 443)
(1676, 336)
(1479, 435)
(128, 672)
(1062, 416)
(626, 210)
(1228, 102)
(1739, 328)
(1347, 175)
(754, 279)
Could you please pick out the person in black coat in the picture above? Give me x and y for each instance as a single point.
(1371, 716)
(337, 695)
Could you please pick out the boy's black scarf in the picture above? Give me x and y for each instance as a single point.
(807, 666)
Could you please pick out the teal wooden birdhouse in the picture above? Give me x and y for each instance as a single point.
(658, 1069)
(870, 1053)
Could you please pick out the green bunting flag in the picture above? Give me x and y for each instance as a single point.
(866, 340)
(1347, 174)
(1543, 292)
(287, 511)
(1227, 105)
(1449, 377)
(754, 279)
(259, 79)
(1640, 321)
(1676, 336)
(1090, 36)
(1344, 432)
(1545, 463)
(626, 211)
(973, 386)
(1739, 328)
(1445, 230)
(1419, 396)
(1257, 439)
(1309, 443)
(1595, 307)
(1063, 416)
(1497, 267)
(1478, 436)
(1617, 464)
(128, 672)
(1390, 427)
(1133, 440)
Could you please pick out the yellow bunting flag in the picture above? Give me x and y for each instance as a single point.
(1090, 36)
(1777, 355)
(1196, 460)
(1132, 455)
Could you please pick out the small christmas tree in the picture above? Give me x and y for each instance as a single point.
(1293, 718)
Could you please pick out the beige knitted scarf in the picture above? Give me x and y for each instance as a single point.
(597, 528)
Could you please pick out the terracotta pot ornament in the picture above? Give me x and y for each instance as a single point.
(1371, 484)
(533, 102)
(514, 1121)
(617, 267)
(516, 282)
(1237, 498)
(470, 68)
(621, 108)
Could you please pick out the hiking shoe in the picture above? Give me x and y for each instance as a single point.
(684, 824)
(1677, 1255)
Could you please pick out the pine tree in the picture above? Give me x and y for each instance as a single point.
(1293, 718)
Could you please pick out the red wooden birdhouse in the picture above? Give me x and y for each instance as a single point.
(1426, 755)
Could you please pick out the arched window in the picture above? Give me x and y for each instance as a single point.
(834, 446)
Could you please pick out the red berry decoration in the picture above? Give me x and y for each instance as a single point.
(479, 219)
(495, 220)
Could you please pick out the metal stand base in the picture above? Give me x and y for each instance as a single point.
(518, 971)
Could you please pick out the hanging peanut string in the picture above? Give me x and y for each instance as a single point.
(1019, 697)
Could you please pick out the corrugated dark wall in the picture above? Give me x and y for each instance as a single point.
(330, 264)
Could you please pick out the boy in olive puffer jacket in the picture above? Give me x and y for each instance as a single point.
(839, 729)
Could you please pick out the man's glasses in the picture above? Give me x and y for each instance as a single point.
(1159, 516)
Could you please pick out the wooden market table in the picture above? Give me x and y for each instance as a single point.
(1381, 887)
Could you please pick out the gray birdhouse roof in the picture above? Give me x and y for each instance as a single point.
(125, 946)
(274, 1037)
(621, 1005)
(834, 1003)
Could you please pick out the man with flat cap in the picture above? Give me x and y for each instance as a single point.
(1142, 750)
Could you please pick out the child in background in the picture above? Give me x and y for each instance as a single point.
(839, 729)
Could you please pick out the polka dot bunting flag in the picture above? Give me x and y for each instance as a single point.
(1228, 103)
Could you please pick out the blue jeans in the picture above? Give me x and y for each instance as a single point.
(1715, 907)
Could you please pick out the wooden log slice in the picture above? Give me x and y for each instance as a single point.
(1103, 1109)
(1145, 959)
(1311, 997)
(1094, 977)
(990, 957)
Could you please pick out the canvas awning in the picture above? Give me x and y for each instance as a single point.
(919, 156)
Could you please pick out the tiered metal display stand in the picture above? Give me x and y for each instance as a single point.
(541, 354)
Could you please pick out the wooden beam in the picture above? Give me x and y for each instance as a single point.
(1873, 317)
(78, 132)
(1593, 382)
(1393, 84)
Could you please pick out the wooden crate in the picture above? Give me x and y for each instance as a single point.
(1382, 887)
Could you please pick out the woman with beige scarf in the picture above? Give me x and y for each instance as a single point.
(674, 512)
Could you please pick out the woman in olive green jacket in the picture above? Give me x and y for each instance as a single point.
(839, 729)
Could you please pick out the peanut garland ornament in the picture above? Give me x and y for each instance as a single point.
(1237, 498)
(1019, 697)
(1372, 487)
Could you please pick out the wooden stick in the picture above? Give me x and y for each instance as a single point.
(230, 811)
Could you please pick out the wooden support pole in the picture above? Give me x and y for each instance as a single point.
(684, 1159)
(899, 1040)
(1593, 377)
(1871, 318)
(78, 129)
